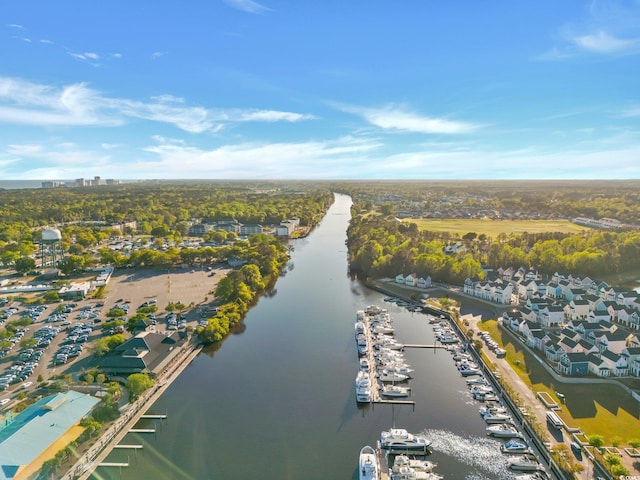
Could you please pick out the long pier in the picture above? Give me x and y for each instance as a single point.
(113, 464)
(142, 430)
(131, 447)
(160, 417)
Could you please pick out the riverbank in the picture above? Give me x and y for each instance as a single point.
(111, 437)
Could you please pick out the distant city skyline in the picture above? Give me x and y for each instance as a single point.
(244, 89)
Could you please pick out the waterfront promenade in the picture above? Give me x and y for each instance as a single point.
(111, 437)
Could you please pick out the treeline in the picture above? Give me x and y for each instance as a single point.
(265, 257)
(383, 247)
(380, 246)
(162, 211)
(546, 199)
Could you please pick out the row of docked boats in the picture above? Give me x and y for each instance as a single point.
(383, 370)
(500, 424)
(401, 450)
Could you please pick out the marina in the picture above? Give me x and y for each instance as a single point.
(290, 398)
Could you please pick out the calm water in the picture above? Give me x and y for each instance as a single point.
(276, 401)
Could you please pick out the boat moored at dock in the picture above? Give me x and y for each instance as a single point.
(369, 466)
(399, 440)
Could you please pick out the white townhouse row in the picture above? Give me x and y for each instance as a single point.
(581, 347)
(413, 280)
(498, 291)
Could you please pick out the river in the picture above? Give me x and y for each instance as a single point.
(276, 400)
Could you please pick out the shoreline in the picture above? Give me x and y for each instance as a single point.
(102, 447)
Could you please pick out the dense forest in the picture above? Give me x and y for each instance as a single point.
(382, 246)
(161, 210)
(533, 199)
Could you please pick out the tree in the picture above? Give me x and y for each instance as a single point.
(106, 344)
(71, 264)
(25, 264)
(52, 296)
(596, 441)
(138, 383)
(29, 342)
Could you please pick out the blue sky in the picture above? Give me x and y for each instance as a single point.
(352, 89)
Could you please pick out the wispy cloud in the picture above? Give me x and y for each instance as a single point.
(16, 26)
(27, 103)
(602, 42)
(396, 118)
(156, 55)
(268, 160)
(272, 116)
(247, 6)
(46, 41)
(607, 29)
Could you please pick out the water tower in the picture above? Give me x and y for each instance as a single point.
(50, 248)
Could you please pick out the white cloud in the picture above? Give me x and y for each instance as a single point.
(247, 6)
(395, 118)
(156, 55)
(15, 25)
(26, 103)
(332, 158)
(607, 28)
(602, 42)
(272, 116)
(24, 150)
(46, 41)
(116, 55)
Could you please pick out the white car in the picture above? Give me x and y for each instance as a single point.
(4, 401)
(27, 384)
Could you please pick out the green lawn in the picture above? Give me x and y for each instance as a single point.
(597, 409)
(492, 228)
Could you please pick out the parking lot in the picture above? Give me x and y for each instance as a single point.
(65, 331)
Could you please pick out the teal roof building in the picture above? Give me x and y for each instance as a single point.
(38, 426)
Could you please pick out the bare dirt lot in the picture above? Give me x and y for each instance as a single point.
(191, 286)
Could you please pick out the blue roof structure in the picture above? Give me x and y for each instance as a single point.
(34, 429)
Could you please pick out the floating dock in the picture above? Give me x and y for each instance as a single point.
(142, 430)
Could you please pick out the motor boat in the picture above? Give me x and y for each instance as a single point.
(400, 441)
(363, 379)
(408, 473)
(363, 395)
(364, 364)
(496, 417)
(369, 466)
(514, 446)
(525, 463)
(395, 391)
(503, 430)
(467, 370)
(360, 327)
(414, 463)
(389, 376)
(491, 409)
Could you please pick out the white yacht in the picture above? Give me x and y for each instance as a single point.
(363, 379)
(395, 391)
(391, 376)
(369, 466)
(503, 430)
(364, 364)
(496, 417)
(363, 395)
(525, 463)
(401, 441)
(491, 409)
(408, 473)
(414, 463)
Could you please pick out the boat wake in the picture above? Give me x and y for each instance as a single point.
(482, 454)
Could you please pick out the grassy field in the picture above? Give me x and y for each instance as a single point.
(492, 228)
(597, 409)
